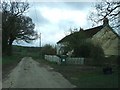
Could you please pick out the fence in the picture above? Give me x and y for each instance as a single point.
(75, 61)
(54, 58)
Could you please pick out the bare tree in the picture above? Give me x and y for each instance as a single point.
(104, 9)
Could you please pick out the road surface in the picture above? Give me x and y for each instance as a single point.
(31, 74)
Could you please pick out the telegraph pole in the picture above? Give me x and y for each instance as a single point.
(40, 46)
(40, 39)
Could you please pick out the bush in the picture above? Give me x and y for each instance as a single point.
(48, 50)
(82, 51)
(97, 54)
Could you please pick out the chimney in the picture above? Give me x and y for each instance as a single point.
(81, 29)
(105, 22)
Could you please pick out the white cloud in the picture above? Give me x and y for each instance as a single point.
(50, 33)
(56, 15)
(56, 21)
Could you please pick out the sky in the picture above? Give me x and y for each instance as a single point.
(54, 19)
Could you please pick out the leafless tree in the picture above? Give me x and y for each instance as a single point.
(104, 9)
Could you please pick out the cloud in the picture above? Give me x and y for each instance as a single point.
(36, 16)
(50, 33)
(64, 5)
(55, 15)
(53, 19)
(79, 5)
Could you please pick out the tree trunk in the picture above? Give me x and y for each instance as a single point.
(10, 46)
(4, 43)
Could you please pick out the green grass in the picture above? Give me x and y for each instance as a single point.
(8, 63)
(10, 59)
(94, 80)
(86, 76)
(18, 53)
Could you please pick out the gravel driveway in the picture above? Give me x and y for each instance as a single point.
(30, 74)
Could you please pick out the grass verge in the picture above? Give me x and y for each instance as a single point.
(8, 63)
(86, 76)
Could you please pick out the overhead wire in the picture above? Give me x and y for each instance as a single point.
(36, 17)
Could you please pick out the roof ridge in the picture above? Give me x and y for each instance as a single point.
(89, 32)
(94, 27)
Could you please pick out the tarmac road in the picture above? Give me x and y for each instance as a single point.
(30, 74)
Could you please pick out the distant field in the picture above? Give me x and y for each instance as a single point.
(18, 53)
(27, 51)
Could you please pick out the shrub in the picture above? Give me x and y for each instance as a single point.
(97, 55)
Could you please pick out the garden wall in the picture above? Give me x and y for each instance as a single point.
(54, 58)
